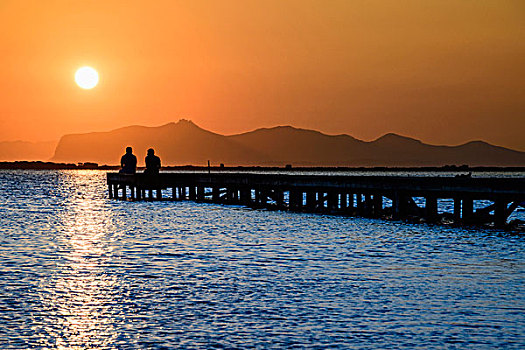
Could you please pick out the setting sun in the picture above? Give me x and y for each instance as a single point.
(86, 77)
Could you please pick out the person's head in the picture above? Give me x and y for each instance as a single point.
(151, 152)
(129, 150)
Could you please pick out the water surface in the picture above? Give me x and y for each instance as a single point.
(78, 271)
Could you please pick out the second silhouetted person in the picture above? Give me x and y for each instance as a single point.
(152, 163)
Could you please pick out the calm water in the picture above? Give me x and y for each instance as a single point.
(79, 271)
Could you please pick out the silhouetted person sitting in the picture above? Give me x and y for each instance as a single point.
(128, 162)
(152, 163)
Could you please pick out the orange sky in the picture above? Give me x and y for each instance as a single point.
(442, 71)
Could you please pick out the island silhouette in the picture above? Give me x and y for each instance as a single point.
(185, 143)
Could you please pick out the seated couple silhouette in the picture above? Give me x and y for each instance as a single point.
(128, 162)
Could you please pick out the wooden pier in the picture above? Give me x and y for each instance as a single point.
(334, 194)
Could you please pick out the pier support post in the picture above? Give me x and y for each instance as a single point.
(295, 199)
(457, 210)
(500, 215)
(360, 205)
(399, 205)
(110, 191)
(228, 196)
(200, 193)
(281, 204)
(263, 197)
(431, 209)
(215, 194)
(368, 205)
(320, 201)
(377, 205)
(332, 200)
(159, 194)
(257, 196)
(431, 213)
(279, 198)
(467, 210)
(310, 200)
(192, 193)
(246, 196)
(132, 192)
(139, 193)
(396, 206)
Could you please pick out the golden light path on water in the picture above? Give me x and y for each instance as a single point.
(81, 293)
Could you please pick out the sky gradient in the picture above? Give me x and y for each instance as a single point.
(445, 72)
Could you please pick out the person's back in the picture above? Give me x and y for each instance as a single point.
(152, 162)
(128, 162)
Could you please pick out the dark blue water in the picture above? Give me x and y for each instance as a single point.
(80, 271)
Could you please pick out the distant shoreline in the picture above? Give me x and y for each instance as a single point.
(39, 165)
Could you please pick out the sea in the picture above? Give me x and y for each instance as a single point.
(81, 271)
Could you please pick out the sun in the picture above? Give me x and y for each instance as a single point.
(86, 77)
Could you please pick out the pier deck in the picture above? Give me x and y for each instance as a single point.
(334, 194)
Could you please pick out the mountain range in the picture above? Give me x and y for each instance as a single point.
(184, 143)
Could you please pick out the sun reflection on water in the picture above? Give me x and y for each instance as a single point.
(80, 295)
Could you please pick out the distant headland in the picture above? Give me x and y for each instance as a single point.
(184, 143)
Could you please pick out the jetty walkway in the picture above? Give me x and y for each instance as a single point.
(334, 194)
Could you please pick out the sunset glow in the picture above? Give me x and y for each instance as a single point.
(444, 72)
